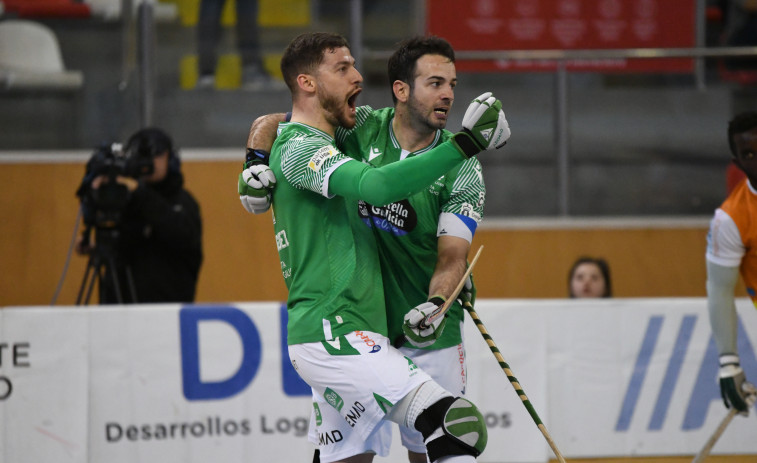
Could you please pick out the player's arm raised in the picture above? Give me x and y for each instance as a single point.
(484, 128)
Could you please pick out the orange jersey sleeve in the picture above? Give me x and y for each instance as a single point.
(741, 206)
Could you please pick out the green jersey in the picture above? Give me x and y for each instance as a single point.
(328, 256)
(406, 231)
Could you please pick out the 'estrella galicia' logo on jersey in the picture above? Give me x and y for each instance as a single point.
(397, 218)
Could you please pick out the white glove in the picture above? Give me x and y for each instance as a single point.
(256, 204)
(259, 176)
(415, 328)
(751, 393)
(734, 388)
(254, 187)
(501, 133)
(468, 292)
(485, 122)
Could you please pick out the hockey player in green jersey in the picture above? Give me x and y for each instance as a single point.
(423, 240)
(331, 321)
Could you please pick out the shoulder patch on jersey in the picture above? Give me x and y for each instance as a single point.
(468, 210)
(320, 156)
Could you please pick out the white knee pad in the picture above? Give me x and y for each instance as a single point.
(406, 411)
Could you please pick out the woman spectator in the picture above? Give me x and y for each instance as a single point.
(589, 277)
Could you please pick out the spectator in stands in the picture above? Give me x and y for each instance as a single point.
(740, 30)
(151, 243)
(731, 245)
(254, 76)
(589, 277)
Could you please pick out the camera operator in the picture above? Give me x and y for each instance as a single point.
(152, 234)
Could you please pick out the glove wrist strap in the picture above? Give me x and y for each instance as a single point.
(437, 299)
(465, 143)
(256, 156)
(729, 359)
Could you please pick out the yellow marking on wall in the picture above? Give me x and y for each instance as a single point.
(271, 13)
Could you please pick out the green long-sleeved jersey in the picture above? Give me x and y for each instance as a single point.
(406, 231)
(329, 258)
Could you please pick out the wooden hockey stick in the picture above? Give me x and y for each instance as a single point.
(714, 437)
(442, 309)
(513, 380)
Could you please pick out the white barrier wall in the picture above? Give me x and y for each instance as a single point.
(166, 383)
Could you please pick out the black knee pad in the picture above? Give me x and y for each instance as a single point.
(463, 426)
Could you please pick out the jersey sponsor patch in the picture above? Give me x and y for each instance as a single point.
(333, 398)
(436, 187)
(320, 157)
(398, 218)
(468, 210)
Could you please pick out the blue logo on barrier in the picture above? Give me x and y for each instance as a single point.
(252, 352)
(189, 321)
(293, 384)
(706, 388)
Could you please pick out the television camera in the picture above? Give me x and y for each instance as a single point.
(102, 209)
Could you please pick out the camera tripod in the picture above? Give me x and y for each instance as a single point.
(103, 264)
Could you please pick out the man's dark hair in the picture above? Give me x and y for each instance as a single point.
(403, 62)
(604, 269)
(150, 141)
(743, 122)
(305, 53)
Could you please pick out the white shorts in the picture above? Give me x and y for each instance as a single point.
(335, 438)
(357, 375)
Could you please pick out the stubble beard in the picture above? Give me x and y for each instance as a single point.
(420, 119)
(334, 110)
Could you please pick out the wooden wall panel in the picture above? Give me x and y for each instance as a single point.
(649, 262)
(38, 210)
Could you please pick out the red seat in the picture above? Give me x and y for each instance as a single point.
(714, 14)
(47, 8)
(742, 77)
